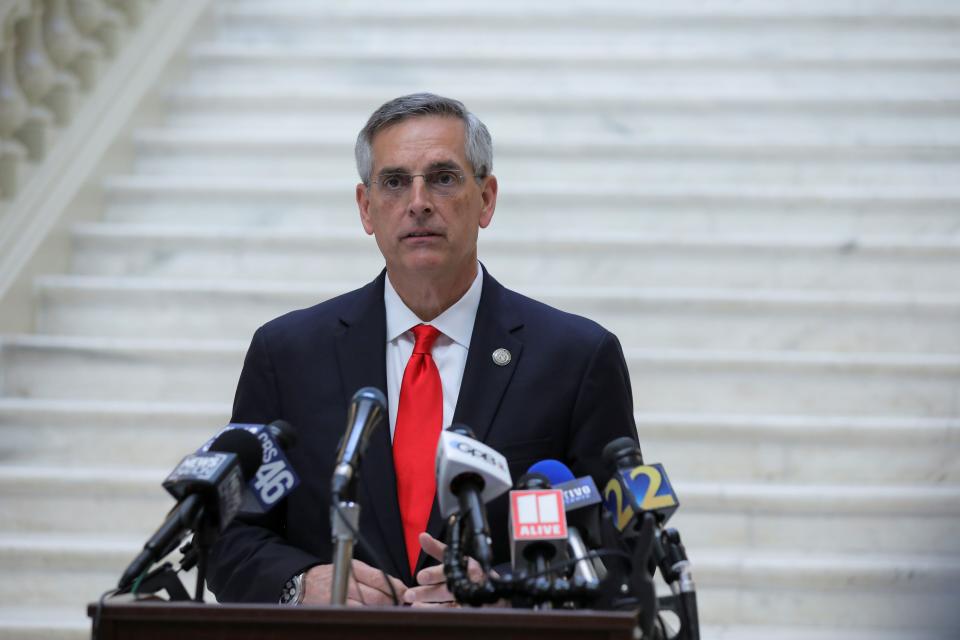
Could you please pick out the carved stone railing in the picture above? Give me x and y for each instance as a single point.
(51, 53)
(73, 76)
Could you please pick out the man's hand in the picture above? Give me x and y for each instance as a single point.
(370, 587)
(432, 590)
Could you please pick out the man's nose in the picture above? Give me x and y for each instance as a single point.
(420, 197)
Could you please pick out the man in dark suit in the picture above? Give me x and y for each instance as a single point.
(531, 381)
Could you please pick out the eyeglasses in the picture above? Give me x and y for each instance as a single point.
(442, 182)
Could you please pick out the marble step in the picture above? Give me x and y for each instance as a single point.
(664, 380)
(802, 632)
(573, 257)
(734, 587)
(250, 21)
(816, 91)
(785, 48)
(815, 518)
(60, 570)
(695, 447)
(655, 124)
(846, 590)
(765, 144)
(713, 12)
(38, 622)
(182, 153)
(654, 318)
(126, 501)
(676, 208)
(112, 434)
(592, 82)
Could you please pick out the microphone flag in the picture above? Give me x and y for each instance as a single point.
(274, 480)
(643, 489)
(536, 516)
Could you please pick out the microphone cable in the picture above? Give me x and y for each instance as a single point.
(109, 593)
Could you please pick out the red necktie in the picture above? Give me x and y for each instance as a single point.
(419, 418)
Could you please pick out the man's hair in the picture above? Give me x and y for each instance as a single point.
(477, 141)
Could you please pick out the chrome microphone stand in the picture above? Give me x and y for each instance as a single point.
(345, 516)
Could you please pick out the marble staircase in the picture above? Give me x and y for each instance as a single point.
(762, 199)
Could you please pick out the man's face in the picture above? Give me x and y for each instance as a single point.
(420, 231)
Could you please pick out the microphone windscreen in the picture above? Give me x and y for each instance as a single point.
(371, 393)
(619, 448)
(463, 430)
(556, 471)
(533, 481)
(245, 445)
(284, 433)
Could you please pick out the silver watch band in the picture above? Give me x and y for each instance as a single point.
(292, 593)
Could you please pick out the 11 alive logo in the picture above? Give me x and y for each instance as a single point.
(538, 514)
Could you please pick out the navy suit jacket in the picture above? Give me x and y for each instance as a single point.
(564, 395)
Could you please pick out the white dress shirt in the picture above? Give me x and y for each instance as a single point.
(449, 351)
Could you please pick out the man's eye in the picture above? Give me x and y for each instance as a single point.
(445, 178)
(392, 182)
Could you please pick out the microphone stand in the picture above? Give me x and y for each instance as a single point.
(205, 535)
(345, 516)
(676, 572)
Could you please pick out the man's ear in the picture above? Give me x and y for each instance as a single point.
(363, 204)
(489, 197)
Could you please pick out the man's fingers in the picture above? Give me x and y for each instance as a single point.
(431, 575)
(432, 547)
(376, 579)
(435, 605)
(373, 597)
(474, 570)
(432, 594)
(366, 585)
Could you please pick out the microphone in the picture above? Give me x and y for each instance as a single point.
(469, 475)
(580, 497)
(275, 477)
(642, 500)
(538, 534)
(208, 487)
(636, 487)
(367, 411)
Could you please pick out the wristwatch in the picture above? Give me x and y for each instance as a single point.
(292, 593)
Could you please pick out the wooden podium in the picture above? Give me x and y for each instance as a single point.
(190, 621)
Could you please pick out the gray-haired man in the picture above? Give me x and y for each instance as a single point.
(446, 342)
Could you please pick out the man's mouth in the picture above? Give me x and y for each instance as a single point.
(421, 234)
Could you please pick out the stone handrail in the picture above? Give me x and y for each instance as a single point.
(73, 73)
(51, 53)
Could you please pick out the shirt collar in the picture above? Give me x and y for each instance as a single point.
(456, 322)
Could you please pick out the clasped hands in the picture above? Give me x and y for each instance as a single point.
(368, 586)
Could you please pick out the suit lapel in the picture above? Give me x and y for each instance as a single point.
(362, 356)
(484, 381)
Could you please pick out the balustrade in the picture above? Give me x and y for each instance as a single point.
(51, 54)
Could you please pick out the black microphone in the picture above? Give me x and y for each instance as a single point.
(208, 486)
(642, 499)
(367, 411)
(635, 487)
(275, 478)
